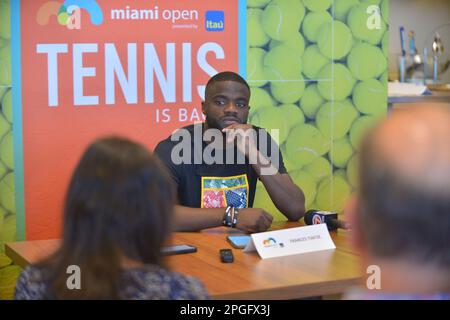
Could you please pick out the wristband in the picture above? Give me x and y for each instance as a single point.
(235, 217)
(227, 217)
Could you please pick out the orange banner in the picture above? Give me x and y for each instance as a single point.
(95, 68)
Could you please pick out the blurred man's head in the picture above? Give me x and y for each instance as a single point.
(403, 210)
(227, 97)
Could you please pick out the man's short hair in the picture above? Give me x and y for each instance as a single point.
(401, 219)
(227, 76)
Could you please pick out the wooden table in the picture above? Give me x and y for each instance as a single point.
(249, 277)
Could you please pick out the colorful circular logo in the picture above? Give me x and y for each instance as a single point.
(269, 242)
(69, 10)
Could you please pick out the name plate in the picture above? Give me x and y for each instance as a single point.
(291, 241)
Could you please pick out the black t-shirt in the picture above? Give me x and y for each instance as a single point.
(216, 185)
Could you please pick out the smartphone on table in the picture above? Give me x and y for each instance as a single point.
(178, 249)
(238, 242)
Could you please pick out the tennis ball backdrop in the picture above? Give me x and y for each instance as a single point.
(6, 103)
(326, 71)
(296, 42)
(255, 33)
(255, 69)
(282, 18)
(313, 22)
(313, 61)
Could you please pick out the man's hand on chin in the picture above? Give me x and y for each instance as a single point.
(245, 137)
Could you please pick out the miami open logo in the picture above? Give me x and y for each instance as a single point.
(269, 242)
(68, 13)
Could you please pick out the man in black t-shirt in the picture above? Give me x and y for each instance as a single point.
(215, 165)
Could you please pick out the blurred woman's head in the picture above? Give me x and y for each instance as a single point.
(118, 207)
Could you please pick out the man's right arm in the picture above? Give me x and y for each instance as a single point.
(195, 219)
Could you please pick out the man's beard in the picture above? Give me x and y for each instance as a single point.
(219, 124)
(214, 123)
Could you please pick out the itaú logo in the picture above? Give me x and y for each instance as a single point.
(270, 242)
(68, 13)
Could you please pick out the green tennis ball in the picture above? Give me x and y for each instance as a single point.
(6, 267)
(305, 143)
(341, 84)
(289, 164)
(293, 115)
(257, 3)
(5, 19)
(319, 168)
(356, 42)
(332, 193)
(307, 183)
(272, 118)
(256, 36)
(259, 99)
(4, 260)
(334, 40)
(340, 152)
(282, 18)
(317, 5)
(366, 61)
(296, 42)
(313, 62)
(312, 206)
(340, 173)
(5, 51)
(360, 127)
(262, 200)
(7, 199)
(342, 8)
(5, 126)
(8, 279)
(385, 44)
(255, 69)
(384, 78)
(352, 170)
(311, 101)
(370, 97)
(282, 63)
(7, 107)
(2, 93)
(334, 119)
(6, 150)
(3, 43)
(313, 22)
(5, 66)
(287, 92)
(385, 10)
(371, 2)
(3, 170)
(358, 21)
(8, 231)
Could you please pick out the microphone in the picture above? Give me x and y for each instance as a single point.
(329, 217)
